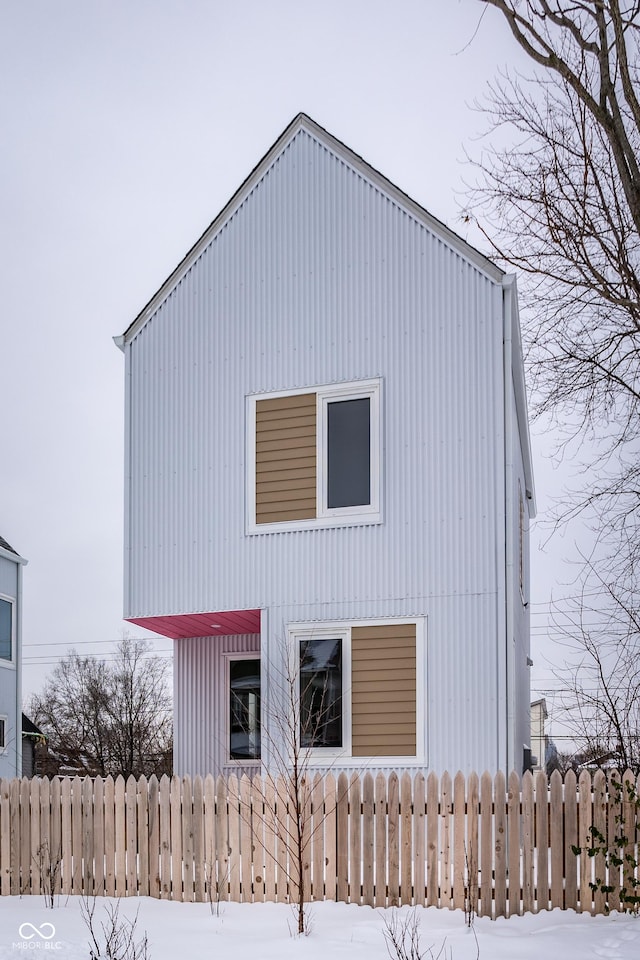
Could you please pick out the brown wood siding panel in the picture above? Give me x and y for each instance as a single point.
(286, 458)
(383, 690)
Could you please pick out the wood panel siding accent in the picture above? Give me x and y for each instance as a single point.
(286, 458)
(383, 690)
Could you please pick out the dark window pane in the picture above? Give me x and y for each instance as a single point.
(5, 630)
(349, 453)
(244, 720)
(321, 693)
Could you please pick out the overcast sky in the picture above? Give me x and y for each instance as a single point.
(126, 126)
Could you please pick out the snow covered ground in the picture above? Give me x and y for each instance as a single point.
(261, 932)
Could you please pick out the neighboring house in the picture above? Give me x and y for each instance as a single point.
(328, 464)
(11, 565)
(539, 738)
(33, 747)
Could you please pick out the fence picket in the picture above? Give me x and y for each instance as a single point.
(55, 836)
(584, 839)
(445, 840)
(514, 837)
(459, 840)
(198, 839)
(234, 814)
(368, 842)
(393, 812)
(556, 819)
(154, 836)
(342, 837)
(570, 840)
(528, 828)
(355, 841)
(76, 834)
(600, 823)
(330, 839)
(5, 838)
(380, 833)
(419, 850)
(120, 834)
(209, 836)
(629, 826)
(472, 843)
(406, 845)
(98, 837)
(500, 844)
(142, 803)
(542, 841)
(317, 838)
(164, 802)
(187, 841)
(109, 837)
(486, 844)
(269, 841)
(175, 807)
(433, 897)
(246, 840)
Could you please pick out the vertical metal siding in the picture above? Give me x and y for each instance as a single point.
(199, 700)
(317, 278)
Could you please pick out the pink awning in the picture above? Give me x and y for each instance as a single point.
(181, 625)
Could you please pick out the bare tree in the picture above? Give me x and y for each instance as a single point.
(600, 680)
(108, 717)
(561, 205)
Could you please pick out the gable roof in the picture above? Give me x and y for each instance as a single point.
(7, 551)
(6, 546)
(348, 156)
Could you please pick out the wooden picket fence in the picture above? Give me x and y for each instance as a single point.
(499, 848)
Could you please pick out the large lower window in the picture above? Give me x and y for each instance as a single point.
(244, 709)
(6, 627)
(321, 693)
(360, 690)
(315, 457)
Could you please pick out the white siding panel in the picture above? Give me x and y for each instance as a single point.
(8, 578)
(320, 278)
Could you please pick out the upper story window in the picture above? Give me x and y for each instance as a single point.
(6, 630)
(314, 457)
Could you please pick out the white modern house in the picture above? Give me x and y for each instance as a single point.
(328, 473)
(11, 565)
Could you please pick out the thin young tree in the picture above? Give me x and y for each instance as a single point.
(560, 204)
(303, 713)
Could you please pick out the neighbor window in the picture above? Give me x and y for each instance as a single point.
(6, 617)
(3, 734)
(244, 709)
(314, 457)
(321, 693)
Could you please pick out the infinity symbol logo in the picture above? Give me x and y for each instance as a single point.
(39, 931)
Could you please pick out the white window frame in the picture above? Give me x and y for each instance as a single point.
(370, 513)
(228, 759)
(341, 630)
(4, 724)
(3, 661)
